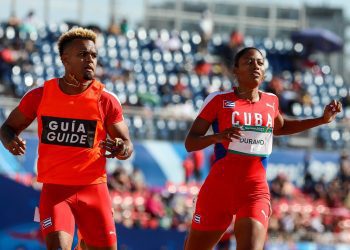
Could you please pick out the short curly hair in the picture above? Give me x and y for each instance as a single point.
(72, 34)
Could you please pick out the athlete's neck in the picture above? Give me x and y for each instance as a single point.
(73, 86)
(251, 95)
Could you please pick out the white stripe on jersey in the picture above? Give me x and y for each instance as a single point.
(112, 94)
(115, 96)
(211, 97)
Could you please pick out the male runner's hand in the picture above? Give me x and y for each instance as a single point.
(114, 147)
(16, 146)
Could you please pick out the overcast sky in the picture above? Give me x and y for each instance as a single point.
(97, 11)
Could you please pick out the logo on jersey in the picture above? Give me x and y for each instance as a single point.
(46, 223)
(271, 105)
(229, 104)
(197, 218)
(68, 132)
(263, 212)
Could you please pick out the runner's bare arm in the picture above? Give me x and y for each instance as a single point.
(197, 139)
(287, 127)
(9, 131)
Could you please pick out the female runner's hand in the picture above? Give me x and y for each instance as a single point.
(229, 134)
(331, 110)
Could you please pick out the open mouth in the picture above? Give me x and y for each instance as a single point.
(89, 69)
(256, 74)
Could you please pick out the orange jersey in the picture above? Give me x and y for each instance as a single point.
(70, 128)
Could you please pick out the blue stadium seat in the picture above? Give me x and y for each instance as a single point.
(161, 79)
(297, 109)
(161, 128)
(10, 33)
(141, 33)
(317, 110)
(167, 57)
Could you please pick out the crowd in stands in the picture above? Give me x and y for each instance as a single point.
(172, 71)
(136, 205)
(318, 211)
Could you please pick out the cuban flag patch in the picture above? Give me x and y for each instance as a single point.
(46, 223)
(197, 218)
(229, 104)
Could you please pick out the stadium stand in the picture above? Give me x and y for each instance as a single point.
(144, 68)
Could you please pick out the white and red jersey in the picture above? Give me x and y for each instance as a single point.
(256, 120)
(237, 182)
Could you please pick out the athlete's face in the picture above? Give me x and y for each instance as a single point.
(80, 59)
(250, 71)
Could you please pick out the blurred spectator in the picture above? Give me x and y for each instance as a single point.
(13, 21)
(321, 188)
(120, 181)
(193, 164)
(203, 67)
(275, 86)
(286, 96)
(281, 187)
(188, 166)
(29, 23)
(137, 180)
(227, 51)
(182, 90)
(346, 100)
(334, 195)
(288, 222)
(113, 28)
(344, 172)
(174, 42)
(124, 26)
(165, 91)
(161, 42)
(309, 185)
(181, 216)
(155, 207)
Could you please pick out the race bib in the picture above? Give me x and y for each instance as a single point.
(257, 141)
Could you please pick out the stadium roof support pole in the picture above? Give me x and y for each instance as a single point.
(112, 11)
(178, 8)
(46, 11)
(80, 11)
(145, 7)
(13, 8)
